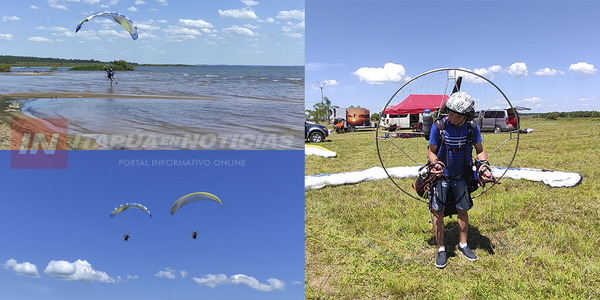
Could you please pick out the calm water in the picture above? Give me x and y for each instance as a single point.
(241, 107)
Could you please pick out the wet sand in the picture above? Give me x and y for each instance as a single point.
(25, 96)
(7, 114)
(26, 73)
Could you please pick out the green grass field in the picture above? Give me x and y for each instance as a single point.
(371, 241)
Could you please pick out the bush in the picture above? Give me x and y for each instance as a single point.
(552, 116)
(117, 65)
(4, 68)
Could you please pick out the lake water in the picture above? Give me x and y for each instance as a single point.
(173, 107)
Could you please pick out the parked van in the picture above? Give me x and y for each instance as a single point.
(405, 121)
(497, 120)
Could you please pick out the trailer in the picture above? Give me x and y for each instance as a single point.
(350, 119)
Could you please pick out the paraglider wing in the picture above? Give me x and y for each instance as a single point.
(117, 17)
(193, 197)
(125, 206)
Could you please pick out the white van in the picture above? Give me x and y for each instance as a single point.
(497, 120)
(404, 121)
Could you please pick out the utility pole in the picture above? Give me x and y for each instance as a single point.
(320, 85)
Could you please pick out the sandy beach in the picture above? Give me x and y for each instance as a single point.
(26, 73)
(7, 114)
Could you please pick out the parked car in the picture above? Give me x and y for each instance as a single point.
(315, 133)
(497, 120)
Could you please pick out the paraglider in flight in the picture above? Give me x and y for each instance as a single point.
(125, 206)
(117, 17)
(193, 197)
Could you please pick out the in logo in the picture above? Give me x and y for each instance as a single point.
(38, 143)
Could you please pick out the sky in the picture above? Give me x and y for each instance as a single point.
(234, 32)
(59, 241)
(543, 55)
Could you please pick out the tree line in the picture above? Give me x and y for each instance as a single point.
(562, 115)
(45, 61)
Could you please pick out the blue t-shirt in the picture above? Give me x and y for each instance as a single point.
(456, 146)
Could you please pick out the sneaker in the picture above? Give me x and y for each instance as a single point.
(440, 262)
(468, 253)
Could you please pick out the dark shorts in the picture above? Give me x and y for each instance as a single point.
(459, 193)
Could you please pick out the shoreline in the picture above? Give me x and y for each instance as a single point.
(74, 142)
(27, 73)
(33, 95)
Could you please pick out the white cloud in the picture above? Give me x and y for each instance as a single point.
(167, 273)
(12, 18)
(212, 280)
(147, 26)
(171, 273)
(330, 82)
(139, 2)
(133, 8)
(291, 15)
(80, 270)
(33, 7)
(483, 72)
(24, 269)
(128, 278)
(237, 30)
(273, 284)
(178, 33)
(162, 2)
(58, 4)
(583, 68)
(38, 39)
(202, 25)
(244, 13)
(58, 31)
(488, 72)
(518, 69)
(121, 34)
(6, 37)
(390, 72)
(548, 72)
(294, 30)
(250, 2)
(532, 100)
(594, 98)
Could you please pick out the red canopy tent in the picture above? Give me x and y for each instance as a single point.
(414, 104)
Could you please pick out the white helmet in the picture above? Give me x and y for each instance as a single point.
(461, 103)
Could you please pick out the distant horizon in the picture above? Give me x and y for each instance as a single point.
(170, 64)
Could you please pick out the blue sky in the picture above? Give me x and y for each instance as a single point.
(59, 241)
(238, 32)
(542, 54)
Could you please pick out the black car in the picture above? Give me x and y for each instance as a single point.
(315, 132)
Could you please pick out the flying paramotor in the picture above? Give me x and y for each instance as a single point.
(117, 17)
(193, 197)
(125, 206)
